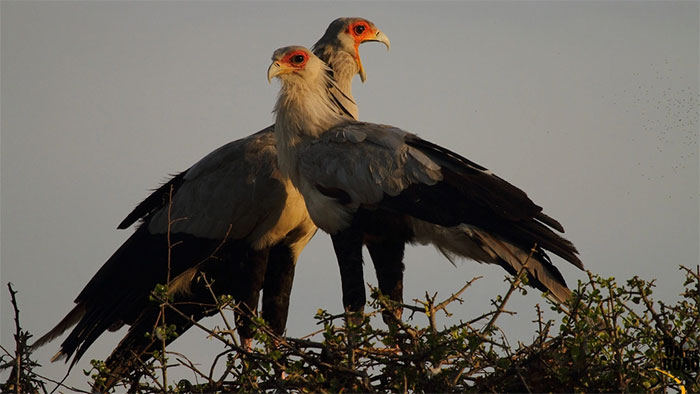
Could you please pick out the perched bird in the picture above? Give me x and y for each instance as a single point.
(382, 186)
(232, 216)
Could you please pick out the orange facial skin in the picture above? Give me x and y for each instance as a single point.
(361, 31)
(295, 59)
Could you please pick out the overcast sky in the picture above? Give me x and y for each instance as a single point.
(592, 108)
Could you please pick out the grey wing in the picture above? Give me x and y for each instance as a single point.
(231, 190)
(473, 195)
(366, 161)
(369, 164)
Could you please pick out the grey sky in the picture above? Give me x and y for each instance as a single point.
(592, 108)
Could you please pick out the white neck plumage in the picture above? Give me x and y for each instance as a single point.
(305, 109)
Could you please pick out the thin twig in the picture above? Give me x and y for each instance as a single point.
(455, 296)
(18, 340)
(513, 285)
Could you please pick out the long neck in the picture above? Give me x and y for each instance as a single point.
(344, 69)
(304, 110)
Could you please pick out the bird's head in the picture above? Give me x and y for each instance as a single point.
(346, 35)
(306, 104)
(293, 63)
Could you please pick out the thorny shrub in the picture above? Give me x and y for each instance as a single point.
(607, 338)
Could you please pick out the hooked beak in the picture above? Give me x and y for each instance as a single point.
(276, 69)
(379, 36)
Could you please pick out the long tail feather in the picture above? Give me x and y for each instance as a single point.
(69, 321)
(476, 244)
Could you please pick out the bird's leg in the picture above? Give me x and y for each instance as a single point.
(254, 268)
(387, 256)
(278, 287)
(348, 250)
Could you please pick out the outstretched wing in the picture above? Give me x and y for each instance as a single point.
(365, 165)
(475, 196)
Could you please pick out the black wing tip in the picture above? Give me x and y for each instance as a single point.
(550, 221)
(154, 201)
(569, 253)
(577, 262)
(126, 223)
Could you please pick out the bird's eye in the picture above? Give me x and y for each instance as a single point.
(359, 29)
(296, 59)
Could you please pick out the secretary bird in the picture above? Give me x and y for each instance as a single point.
(232, 217)
(365, 182)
